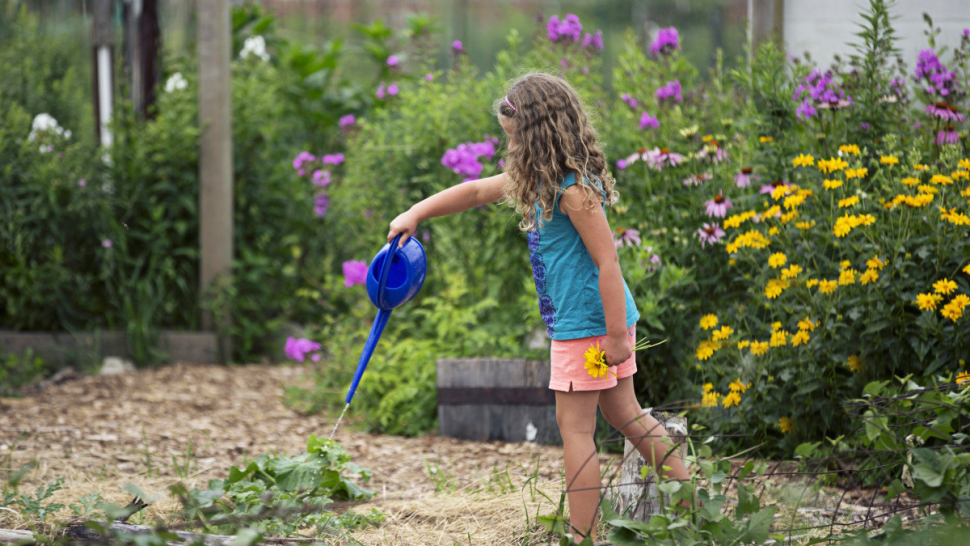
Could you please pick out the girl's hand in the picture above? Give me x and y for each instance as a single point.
(617, 349)
(406, 223)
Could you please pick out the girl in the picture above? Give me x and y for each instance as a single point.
(556, 177)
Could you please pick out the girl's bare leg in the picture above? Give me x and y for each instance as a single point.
(621, 409)
(576, 415)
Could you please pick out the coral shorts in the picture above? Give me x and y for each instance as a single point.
(568, 365)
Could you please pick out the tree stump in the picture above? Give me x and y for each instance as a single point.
(637, 497)
(496, 399)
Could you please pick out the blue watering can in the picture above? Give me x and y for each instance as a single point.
(394, 277)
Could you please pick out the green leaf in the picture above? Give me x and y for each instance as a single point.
(756, 531)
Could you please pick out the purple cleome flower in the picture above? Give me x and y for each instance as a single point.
(569, 27)
(332, 159)
(300, 159)
(625, 97)
(321, 202)
(463, 159)
(621, 164)
(428, 77)
(347, 121)
(321, 178)
(393, 61)
(819, 89)
(668, 39)
(670, 91)
(297, 349)
(456, 45)
(355, 272)
(648, 122)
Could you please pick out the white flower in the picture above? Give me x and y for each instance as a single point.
(255, 45)
(175, 82)
(46, 122)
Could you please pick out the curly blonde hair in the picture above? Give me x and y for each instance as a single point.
(552, 137)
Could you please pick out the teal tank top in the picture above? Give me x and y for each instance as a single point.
(567, 280)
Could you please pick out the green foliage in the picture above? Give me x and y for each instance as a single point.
(18, 371)
(279, 495)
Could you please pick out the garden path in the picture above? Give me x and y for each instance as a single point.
(102, 432)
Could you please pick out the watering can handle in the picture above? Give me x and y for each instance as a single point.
(382, 280)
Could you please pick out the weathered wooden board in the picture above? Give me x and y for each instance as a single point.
(64, 348)
(496, 399)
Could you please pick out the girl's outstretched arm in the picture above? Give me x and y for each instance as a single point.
(454, 199)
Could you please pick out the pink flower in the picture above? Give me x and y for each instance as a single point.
(944, 111)
(632, 102)
(768, 188)
(355, 272)
(332, 159)
(621, 164)
(82, 182)
(718, 206)
(743, 178)
(106, 243)
(712, 151)
(300, 159)
(657, 158)
(347, 121)
(696, 179)
(710, 233)
(393, 61)
(380, 91)
(627, 237)
(428, 77)
(947, 135)
(456, 45)
(297, 348)
(321, 202)
(321, 178)
(648, 121)
(392, 89)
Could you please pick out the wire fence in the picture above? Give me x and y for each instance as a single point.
(856, 471)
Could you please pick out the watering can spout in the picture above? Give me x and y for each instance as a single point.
(394, 277)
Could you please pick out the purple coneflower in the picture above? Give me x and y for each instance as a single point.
(648, 121)
(944, 111)
(743, 178)
(355, 272)
(713, 151)
(710, 233)
(655, 262)
(627, 237)
(696, 179)
(718, 206)
(768, 188)
(947, 136)
(659, 157)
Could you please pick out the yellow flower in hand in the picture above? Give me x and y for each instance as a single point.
(596, 361)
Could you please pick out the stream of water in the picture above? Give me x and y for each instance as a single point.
(337, 424)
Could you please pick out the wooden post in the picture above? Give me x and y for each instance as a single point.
(215, 156)
(103, 73)
(638, 497)
(141, 52)
(765, 21)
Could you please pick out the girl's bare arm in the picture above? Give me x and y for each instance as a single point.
(449, 201)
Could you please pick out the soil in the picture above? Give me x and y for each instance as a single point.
(191, 423)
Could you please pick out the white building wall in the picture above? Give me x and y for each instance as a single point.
(826, 27)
